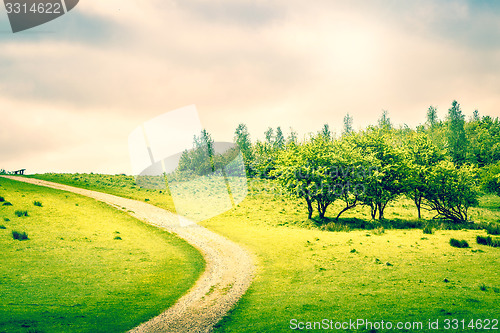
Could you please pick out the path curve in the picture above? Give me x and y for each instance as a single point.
(227, 276)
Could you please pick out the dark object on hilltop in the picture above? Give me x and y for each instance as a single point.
(19, 172)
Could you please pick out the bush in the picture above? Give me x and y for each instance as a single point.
(428, 230)
(492, 229)
(6, 203)
(20, 213)
(19, 235)
(6, 219)
(117, 238)
(2, 227)
(2, 199)
(488, 241)
(37, 203)
(459, 243)
(450, 190)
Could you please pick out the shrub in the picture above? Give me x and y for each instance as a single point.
(6, 203)
(37, 203)
(450, 190)
(483, 287)
(458, 243)
(488, 241)
(117, 238)
(2, 227)
(2, 199)
(428, 230)
(6, 219)
(19, 235)
(20, 213)
(492, 229)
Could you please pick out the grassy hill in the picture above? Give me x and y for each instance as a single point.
(388, 271)
(85, 266)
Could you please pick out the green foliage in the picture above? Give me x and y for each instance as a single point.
(2, 199)
(456, 139)
(20, 213)
(200, 159)
(492, 229)
(279, 140)
(19, 235)
(37, 203)
(385, 181)
(75, 277)
(422, 155)
(292, 138)
(490, 178)
(451, 191)
(242, 139)
(2, 226)
(428, 230)
(326, 133)
(305, 171)
(489, 241)
(348, 122)
(484, 141)
(459, 243)
(384, 122)
(432, 117)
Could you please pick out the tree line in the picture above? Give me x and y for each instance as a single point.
(441, 165)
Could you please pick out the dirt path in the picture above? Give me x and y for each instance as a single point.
(228, 273)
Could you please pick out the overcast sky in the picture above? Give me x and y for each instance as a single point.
(72, 90)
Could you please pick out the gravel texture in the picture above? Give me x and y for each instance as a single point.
(227, 276)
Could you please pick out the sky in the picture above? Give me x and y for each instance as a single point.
(72, 90)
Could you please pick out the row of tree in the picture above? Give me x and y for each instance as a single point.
(439, 165)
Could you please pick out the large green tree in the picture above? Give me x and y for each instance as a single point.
(490, 178)
(421, 155)
(455, 134)
(242, 139)
(451, 190)
(385, 181)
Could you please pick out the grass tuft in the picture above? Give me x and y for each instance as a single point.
(2, 227)
(37, 203)
(6, 203)
(117, 238)
(2, 199)
(20, 213)
(459, 243)
(19, 235)
(492, 229)
(493, 242)
(428, 230)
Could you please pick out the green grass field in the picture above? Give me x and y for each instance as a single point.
(86, 267)
(310, 274)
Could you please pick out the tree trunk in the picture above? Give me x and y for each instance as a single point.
(309, 208)
(418, 202)
(381, 211)
(373, 211)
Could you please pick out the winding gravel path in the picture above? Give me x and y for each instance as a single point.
(228, 273)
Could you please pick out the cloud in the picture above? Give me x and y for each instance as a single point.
(281, 63)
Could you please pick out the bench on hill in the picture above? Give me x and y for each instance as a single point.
(19, 172)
